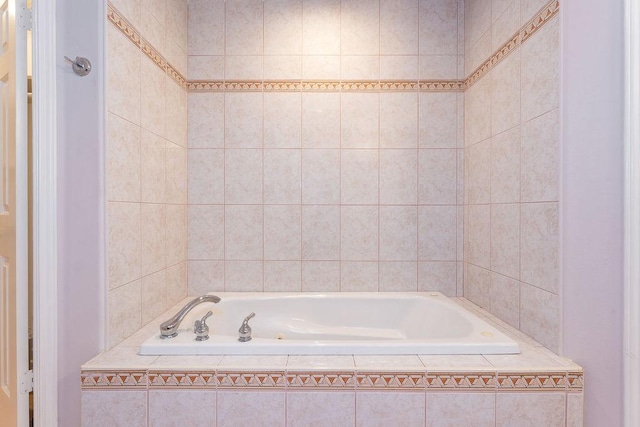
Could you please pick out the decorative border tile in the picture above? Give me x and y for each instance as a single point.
(111, 380)
(321, 380)
(531, 381)
(466, 380)
(550, 10)
(575, 381)
(232, 380)
(183, 379)
(392, 380)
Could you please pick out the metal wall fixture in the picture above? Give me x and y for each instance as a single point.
(81, 66)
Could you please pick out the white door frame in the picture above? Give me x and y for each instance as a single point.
(45, 286)
(632, 215)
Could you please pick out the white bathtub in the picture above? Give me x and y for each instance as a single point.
(336, 323)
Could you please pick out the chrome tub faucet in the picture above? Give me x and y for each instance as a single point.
(169, 328)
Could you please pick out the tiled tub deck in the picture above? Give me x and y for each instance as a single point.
(536, 387)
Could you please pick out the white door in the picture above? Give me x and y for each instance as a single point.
(14, 363)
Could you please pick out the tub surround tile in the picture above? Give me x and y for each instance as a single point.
(206, 176)
(437, 172)
(185, 362)
(123, 160)
(281, 179)
(321, 233)
(438, 120)
(320, 276)
(111, 408)
(244, 276)
(439, 276)
(307, 408)
(398, 276)
(440, 363)
(253, 363)
(449, 409)
(321, 27)
(540, 158)
(398, 177)
(321, 120)
(321, 177)
(399, 67)
(236, 409)
(155, 295)
(206, 232)
(283, 27)
(123, 77)
(546, 409)
(575, 410)
(205, 67)
(437, 233)
(506, 167)
(539, 245)
(398, 120)
(206, 117)
(205, 276)
(505, 239)
(282, 124)
(383, 409)
(390, 363)
(125, 246)
(359, 276)
(282, 276)
(321, 68)
(303, 362)
(153, 168)
(182, 407)
(539, 313)
(119, 357)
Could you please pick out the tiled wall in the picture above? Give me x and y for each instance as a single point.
(511, 169)
(331, 190)
(146, 178)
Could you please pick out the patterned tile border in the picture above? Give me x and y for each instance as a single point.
(550, 10)
(572, 381)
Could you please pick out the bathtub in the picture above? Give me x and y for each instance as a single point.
(336, 323)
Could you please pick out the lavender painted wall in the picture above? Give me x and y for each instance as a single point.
(80, 26)
(592, 201)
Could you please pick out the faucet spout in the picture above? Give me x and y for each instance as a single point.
(169, 328)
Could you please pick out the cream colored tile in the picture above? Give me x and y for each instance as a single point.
(359, 177)
(283, 67)
(398, 233)
(575, 410)
(206, 120)
(243, 120)
(243, 176)
(389, 408)
(360, 117)
(505, 167)
(438, 27)
(539, 245)
(244, 27)
(321, 67)
(437, 176)
(177, 23)
(460, 218)
(359, 67)
(154, 296)
(398, 176)
(153, 228)
(206, 27)
(320, 276)
(464, 362)
(388, 362)
(477, 111)
(243, 67)
(321, 27)
(205, 67)
(205, 276)
(123, 76)
(176, 56)
(176, 174)
(118, 358)
(505, 239)
(536, 409)
(398, 120)
(478, 53)
(206, 232)
(540, 158)
(243, 232)
(253, 362)
(507, 24)
(321, 120)
(360, 27)
(206, 176)
(124, 312)
(478, 235)
(459, 409)
(235, 409)
(529, 359)
(321, 233)
(529, 8)
(152, 168)
(399, 67)
(359, 276)
(330, 363)
(177, 237)
(359, 233)
(398, 276)
(477, 20)
(477, 285)
(505, 94)
(123, 160)
(182, 407)
(477, 182)
(186, 362)
(437, 233)
(540, 315)
(336, 409)
(540, 71)
(283, 27)
(152, 97)
(244, 276)
(505, 299)
(282, 276)
(438, 276)
(177, 283)
(282, 233)
(438, 67)
(321, 177)
(124, 249)
(399, 27)
(438, 120)
(176, 113)
(282, 181)
(114, 408)
(460, 176)
(130, 9)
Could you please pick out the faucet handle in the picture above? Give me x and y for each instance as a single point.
(245, 329)
(201, 329)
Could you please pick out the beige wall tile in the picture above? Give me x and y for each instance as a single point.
(398, 233)
(306, 408)
(111, 408)
(458, 409)
(398, 177)
(359, 233)
(359, 276)
(244, 276)
(153, 172)
(282, 232)
(438, 276)
(321, 177)
(177, 23)
(399, 27)
(529, 8)
(477, 20)
(176, 113)
(505, 239)
(244, 27)
(205, 276)
(438, 122)
(438, 67)
(243, 176)
(282, 181)
(438, 27)
(321, 120)
(282, 67)
(176, 234)
(155, 300)
(395, 67)
(540, 158)
(176, 174)
(543, 409)
(206, 232)
(505, 167)
(505, 299)
(206, 176)
(321, 233)
(235, 408)
(152, 98)
(206, 120)
(176, 56)
(384, 409)
(243, 120)
(360, 116)
(477, 176)
(124, 312)
(478, 53)
(320, 276)
(153, 231)
(360, 27)
(123, 76)
(477, 113)
(177, 282)
(206, 27)
(539, 245)
(244, 67)
(477, 235)
(506, 24)
(205, 67)
(130, 9)
(398, 120)
(123, 160)
(540, 315)
(325, 67)
(282, 276)
(243, 232)
(575, 409)
(437, 233)
(477, 285)
(359, 177)
(283, 27)
(321, 27)
(124, 243)
(505, 94)
(398, 277)
(182, 407)
(359, 67)
(437, 176)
